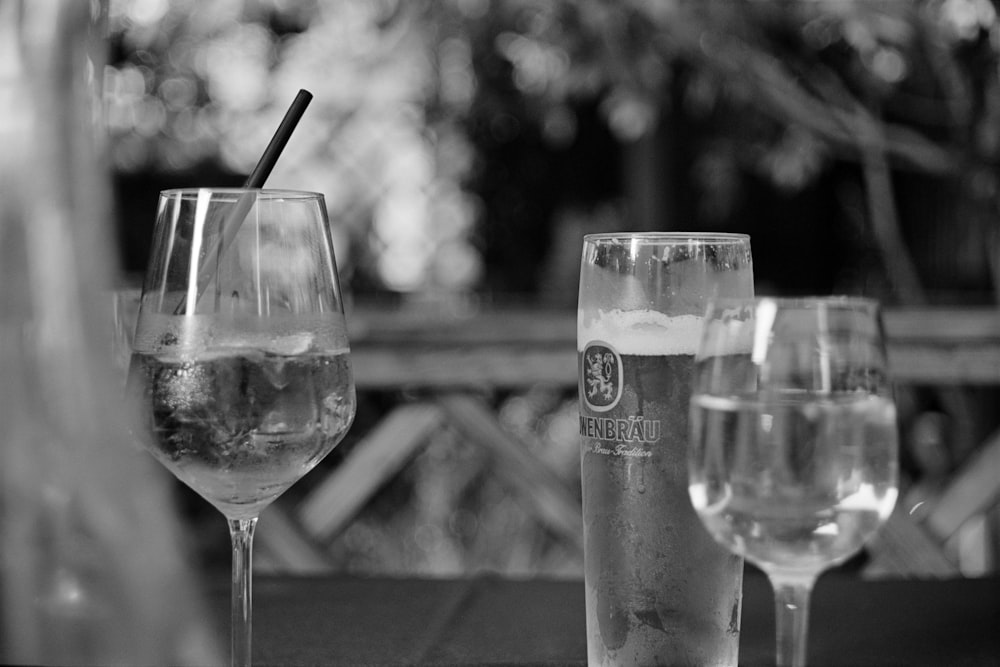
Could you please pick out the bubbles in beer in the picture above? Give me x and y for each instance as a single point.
(658, 588)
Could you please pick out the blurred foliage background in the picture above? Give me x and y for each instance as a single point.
(464, 147)
(462, 143)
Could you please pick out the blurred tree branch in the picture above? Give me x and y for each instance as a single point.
(891, 85)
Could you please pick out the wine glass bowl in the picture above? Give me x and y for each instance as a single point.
(240, 354)
(793, 453)
(242, 422)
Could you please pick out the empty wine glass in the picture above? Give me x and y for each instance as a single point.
(241, 355)
(793, 455)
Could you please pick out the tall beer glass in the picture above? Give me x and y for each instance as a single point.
(659, 590)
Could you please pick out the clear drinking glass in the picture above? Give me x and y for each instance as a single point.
(659, 591)
(793, 452)
(241, 355)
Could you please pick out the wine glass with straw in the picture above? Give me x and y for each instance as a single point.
(240, 352)
(793, 451)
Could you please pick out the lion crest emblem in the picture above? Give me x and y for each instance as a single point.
(602, 376)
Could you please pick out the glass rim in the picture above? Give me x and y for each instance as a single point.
(701, 237)
(262, 193)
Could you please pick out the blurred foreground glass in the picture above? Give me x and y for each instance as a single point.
(659, 591)
(91, 569)
(793, 457)
(241, 355)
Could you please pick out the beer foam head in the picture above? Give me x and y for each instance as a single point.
(642, 332)
(728, 335)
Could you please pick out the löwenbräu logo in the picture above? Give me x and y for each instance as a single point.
(609, 429)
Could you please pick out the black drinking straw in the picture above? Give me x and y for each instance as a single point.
(231, 225)
(281, 135)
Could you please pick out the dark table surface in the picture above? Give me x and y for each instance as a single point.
(493, 621)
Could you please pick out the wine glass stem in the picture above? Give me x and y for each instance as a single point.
(241, 533)
(791, 616)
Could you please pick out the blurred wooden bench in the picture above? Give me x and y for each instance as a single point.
(452, 362)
